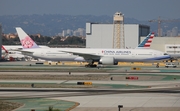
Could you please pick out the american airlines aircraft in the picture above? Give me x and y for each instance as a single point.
(90, 55)
(147, 41)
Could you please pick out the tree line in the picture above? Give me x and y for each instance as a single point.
(57, 41)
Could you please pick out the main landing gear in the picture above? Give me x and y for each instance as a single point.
(90, 64)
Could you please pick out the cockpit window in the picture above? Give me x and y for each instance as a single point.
(165, 54)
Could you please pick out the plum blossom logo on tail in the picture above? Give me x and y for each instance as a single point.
(27, 42)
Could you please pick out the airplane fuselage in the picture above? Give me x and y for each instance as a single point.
(119, 55)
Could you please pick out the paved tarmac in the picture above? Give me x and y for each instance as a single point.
(109, 102)
(160, 96)
(129, 102)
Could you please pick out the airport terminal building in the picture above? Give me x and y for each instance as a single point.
(170, 45)
(101, 36)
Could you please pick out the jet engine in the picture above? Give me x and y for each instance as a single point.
(107, 61)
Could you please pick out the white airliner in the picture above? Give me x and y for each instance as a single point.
(4, 52)
(18, 47)
(102, 56)
(10, 51)
(9, 54)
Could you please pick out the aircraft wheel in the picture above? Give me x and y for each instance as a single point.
(87, 65)
(93, 65)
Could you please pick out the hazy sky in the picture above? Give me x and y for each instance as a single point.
(138, 9)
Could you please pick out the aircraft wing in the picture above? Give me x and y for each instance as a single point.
(24, 52)
(86, 56)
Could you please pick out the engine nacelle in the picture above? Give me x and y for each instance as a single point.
(107, 61)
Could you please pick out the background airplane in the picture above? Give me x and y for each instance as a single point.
(18, 47)
(10, 52)
(102, 56)
(146, 43)
(12, 55)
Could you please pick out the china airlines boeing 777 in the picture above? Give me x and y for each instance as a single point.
(90, 55)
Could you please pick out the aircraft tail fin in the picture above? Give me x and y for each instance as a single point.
(26, 41)
(147, 41)
(2, 47)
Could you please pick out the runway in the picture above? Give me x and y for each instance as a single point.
(155, 89)
(129, 101)
(98, 100)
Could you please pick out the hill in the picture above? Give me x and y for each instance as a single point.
(52, 24)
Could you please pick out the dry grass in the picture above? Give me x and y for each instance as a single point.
(53, 77)
(9, 106)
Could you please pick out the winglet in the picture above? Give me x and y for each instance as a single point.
(147, 41)
(26, 41)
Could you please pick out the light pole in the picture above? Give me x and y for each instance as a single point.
(120, 106)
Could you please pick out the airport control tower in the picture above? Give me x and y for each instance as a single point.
(118, 31)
